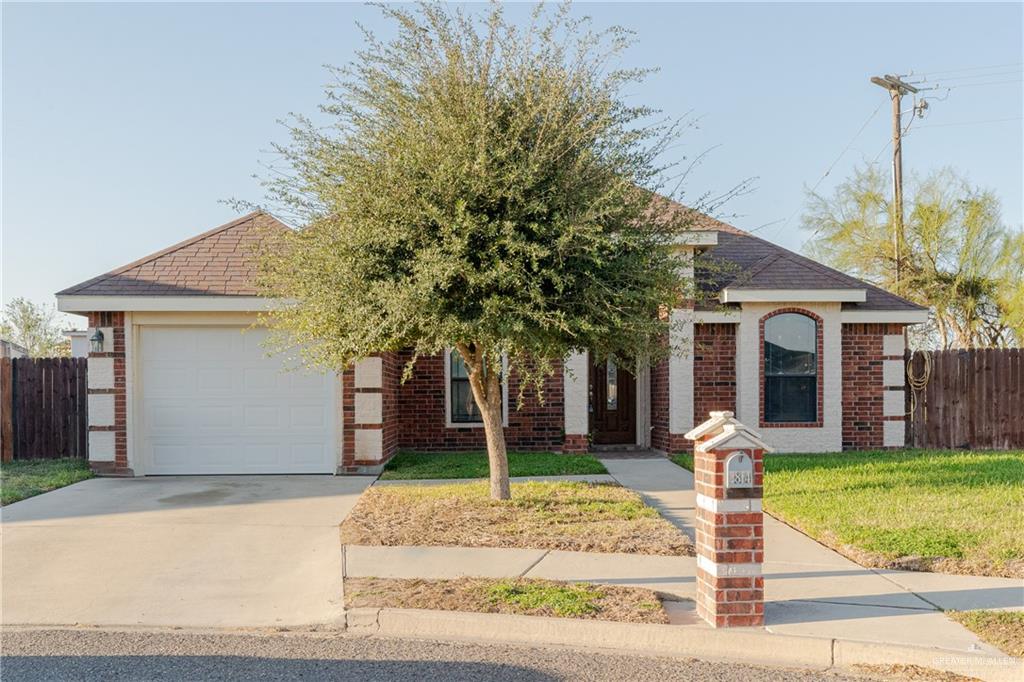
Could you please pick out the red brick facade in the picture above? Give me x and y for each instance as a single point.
(863, 386)
(660, 436)
(714, 369)
(422, 422)
(119, 467)
(820, 352)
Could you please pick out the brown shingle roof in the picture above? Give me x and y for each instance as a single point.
(215, 263)
(754, 263)
(219, 263)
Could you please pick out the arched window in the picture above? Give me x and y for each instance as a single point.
(790, 368)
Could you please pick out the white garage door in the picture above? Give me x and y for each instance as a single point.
(213, 403)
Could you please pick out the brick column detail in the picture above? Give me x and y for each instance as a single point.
(728, 475)
(369, 414)
(108, 403)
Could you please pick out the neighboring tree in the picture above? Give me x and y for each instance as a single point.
(35, 328)
(957, 257)
(477, 189)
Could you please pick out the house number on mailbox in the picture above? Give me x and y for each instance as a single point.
(739, 470)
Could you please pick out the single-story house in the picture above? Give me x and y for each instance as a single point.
(79, 342)
(180, 383)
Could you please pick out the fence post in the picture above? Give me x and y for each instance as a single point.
(6, 410)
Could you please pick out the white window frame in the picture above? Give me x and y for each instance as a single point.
(448, 394)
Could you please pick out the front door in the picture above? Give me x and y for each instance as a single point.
(612, 404)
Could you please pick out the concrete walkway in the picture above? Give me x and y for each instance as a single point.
(809, 589)
(812, 590)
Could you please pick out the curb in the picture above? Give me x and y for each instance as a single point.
(747, 645)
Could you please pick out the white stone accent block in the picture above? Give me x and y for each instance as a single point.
(893, 403)
(893, 373)
(574, 381)
(728, 570)
(369, 408)
(893, 434)
(680, 372)
(101, 410)
(892, 344)
(717, 506)
(101, 446)
(369, 373)
(369, 444)
(101, 372)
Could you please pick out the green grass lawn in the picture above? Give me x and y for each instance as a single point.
(949, 511)
(421, 465)
(26, 478)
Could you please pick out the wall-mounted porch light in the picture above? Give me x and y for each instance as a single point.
(96, 341)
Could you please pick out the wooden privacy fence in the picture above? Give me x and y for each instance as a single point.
(966, 398)
(43, 408)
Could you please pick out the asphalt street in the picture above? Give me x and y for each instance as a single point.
(86, 654)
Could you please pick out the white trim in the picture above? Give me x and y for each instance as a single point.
(86, 304)
(717, 506)
(697, 238)
(575, 386)
(741, 295)
(891, 316)
(130, 390)
(846, 316)
(642, 382)
(728, 570)
(448, 423)
(680, 371)
(717, 316)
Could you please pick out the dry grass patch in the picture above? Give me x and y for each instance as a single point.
(586, 517)
(519, 596)
(916, 673)
(1002, 629)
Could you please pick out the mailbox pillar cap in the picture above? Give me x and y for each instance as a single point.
(735, 436)
(715, 425)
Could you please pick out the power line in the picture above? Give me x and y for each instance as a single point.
(831, 167)
(978, 85)
(970, 123)
(969, 68)
(975, 76)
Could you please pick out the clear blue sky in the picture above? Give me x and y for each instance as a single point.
(124, 125)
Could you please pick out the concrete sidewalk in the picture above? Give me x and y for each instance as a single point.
(812, 590)
(809, 589)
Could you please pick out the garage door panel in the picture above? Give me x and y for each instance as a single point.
(213, 402)
(160, 380)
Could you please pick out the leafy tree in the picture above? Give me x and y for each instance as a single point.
(956, 256)
(35, 328)
(477, 188)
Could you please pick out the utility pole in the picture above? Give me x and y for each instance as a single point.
(897, 88)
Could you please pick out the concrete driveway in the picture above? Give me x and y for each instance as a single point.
(204, 551)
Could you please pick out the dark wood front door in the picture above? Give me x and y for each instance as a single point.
(612, 404)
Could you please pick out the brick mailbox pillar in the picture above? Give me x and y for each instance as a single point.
(728, 470)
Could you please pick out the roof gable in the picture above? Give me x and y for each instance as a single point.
(218, 262)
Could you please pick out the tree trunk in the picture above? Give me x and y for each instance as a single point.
(486, 386)
(494, 431)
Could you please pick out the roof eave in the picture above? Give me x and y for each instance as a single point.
(750, 295)
(70, 303)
